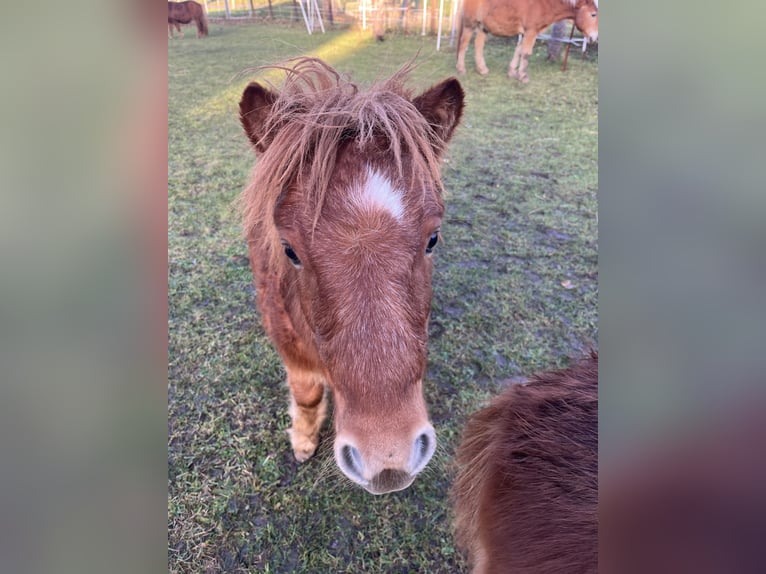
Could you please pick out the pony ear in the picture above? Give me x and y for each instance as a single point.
(442, 106)
(254, 111)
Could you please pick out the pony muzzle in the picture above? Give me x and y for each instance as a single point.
(389, 468)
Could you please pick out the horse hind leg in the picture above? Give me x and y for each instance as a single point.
(513, 67)
(481, 65)
(308, 408)
(463, 41)
(527, 45)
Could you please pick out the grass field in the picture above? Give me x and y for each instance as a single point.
(515, 290)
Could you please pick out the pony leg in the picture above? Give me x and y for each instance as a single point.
(308, 408)
(465, 39)
(527, 44)
(180, 30)
(478, 47)
(513, 67)
(170, 30)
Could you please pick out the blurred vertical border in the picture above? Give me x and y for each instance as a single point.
(682, 269)
(83, 270)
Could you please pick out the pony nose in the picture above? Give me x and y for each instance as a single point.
(593, 37)
(379, 474)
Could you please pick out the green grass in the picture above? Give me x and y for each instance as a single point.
(521, 220)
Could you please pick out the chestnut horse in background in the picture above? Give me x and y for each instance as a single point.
(341, 215)
(526, 494)
(526, 17)
(183, 13)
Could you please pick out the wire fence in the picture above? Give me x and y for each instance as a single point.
(432, 17)
(406, 16)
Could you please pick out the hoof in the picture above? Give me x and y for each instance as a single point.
(303, 447)
(524, 79)
(483, 71)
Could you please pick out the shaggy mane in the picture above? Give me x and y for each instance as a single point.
(316, 112)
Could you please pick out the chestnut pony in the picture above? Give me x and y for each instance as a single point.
(183, 13)
(341, 216)
(526, 493)
(526, 17)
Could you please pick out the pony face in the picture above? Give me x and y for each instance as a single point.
(353, 231)
(586, 20)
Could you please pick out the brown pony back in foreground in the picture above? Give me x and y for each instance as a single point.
(341, 216)
(183, 13)
(526, 17)
(526, 493)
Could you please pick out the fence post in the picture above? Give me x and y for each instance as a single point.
(439, 30)
(453, 25)
(554, 44)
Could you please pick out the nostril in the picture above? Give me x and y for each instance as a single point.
(422, 451)
(347, 452)
(350, 462)
(421, 446)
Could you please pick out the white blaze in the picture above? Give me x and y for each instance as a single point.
(379, 193)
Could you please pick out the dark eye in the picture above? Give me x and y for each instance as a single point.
(291, 254)
(432, 241)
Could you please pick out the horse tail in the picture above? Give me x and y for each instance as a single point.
(202, 22)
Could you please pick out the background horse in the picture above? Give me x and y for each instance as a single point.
(526, 17)
(183, 13)
(341, 216)
(527, 487)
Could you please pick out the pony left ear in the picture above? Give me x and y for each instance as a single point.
(442, 106)
(254, 111)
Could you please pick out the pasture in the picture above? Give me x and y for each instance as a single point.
(515, 291)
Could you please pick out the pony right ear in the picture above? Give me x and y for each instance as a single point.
(254, 111)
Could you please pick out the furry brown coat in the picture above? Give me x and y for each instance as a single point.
(527, 487)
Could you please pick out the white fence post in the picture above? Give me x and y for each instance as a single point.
(439, 30)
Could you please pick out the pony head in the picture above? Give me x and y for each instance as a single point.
(347, 197)
(586, 19)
